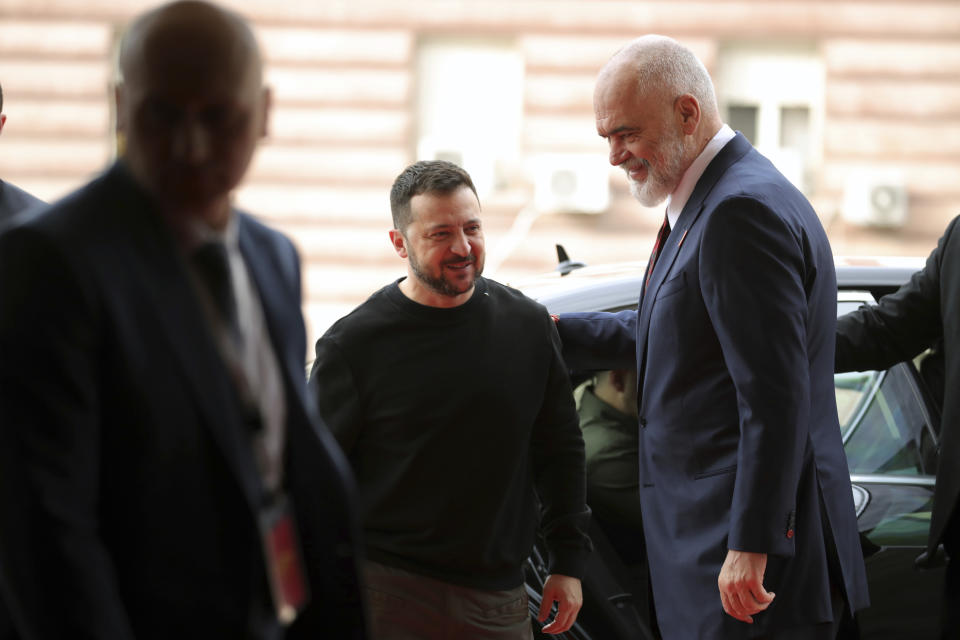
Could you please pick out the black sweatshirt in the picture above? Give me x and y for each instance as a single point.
(456, 420)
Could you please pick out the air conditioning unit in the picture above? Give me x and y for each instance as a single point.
(570, 183)
(875, 199)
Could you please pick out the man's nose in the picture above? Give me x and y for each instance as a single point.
(191, 142)
(460, 244)
(618, 152)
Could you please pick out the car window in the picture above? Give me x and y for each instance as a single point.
(884, 427)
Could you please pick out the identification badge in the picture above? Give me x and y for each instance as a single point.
(285, 568)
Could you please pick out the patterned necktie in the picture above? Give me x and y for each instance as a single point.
(213, 266)
(657, 248)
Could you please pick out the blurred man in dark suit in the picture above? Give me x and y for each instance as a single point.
(162, 471)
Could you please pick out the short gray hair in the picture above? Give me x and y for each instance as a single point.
(663, 64)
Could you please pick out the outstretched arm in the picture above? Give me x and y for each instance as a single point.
(598, 341)
(902, 324)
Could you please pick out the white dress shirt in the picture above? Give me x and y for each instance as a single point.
(253, 363)
(678, 199)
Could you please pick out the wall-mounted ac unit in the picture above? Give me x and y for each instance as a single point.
(570, 183)
(875, 199)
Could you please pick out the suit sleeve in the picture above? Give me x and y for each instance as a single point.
(901, 325)
(328, 523)
(557, 455)
(752, 278)
(333, 385)
(597, 341)
(57, 576)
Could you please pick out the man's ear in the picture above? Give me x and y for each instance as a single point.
(398, 242)
(3, 120)
(266, 103)
(687, 110)
(118, 98)
(119, 113)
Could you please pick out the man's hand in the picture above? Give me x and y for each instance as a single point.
(565, 591)
(741, 584)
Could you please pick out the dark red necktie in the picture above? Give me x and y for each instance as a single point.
(657, 248)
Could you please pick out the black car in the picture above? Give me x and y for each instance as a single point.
(890, 422)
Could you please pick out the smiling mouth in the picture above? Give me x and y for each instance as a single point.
(459, 265)
(637, 172)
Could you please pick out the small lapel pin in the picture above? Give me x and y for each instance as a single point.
(683, 237)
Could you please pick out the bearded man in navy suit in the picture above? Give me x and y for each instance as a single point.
(162, 471)
(747, 508)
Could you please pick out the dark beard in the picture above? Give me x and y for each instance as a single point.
(440, 285)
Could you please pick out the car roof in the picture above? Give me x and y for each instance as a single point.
(618, 285)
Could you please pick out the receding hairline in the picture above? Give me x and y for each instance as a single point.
(203, 21)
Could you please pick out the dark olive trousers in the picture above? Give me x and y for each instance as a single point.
(408, 606)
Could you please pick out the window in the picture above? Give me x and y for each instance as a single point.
(773, 94)
(743, 118)
(884, 426)
(470, 105)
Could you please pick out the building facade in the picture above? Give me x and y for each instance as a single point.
(857, 101)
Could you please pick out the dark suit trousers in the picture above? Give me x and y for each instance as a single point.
(839, 629)
(843, 626)
(950, 616)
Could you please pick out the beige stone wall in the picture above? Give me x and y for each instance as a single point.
(344, 80)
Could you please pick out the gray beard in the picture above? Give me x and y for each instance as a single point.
(660, 183)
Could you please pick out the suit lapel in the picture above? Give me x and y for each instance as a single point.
(281, 313)
(149, 250)
(728, 155)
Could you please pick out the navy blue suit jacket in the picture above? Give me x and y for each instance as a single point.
(129, 492)
(739, 437)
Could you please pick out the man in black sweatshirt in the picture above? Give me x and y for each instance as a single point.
(448, 394)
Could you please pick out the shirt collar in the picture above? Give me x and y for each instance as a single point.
(197, 232)
(678, 199)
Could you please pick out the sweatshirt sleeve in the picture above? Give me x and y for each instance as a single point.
(334, 388)
(557, 457)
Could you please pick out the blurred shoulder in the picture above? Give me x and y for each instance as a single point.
(263, 233)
